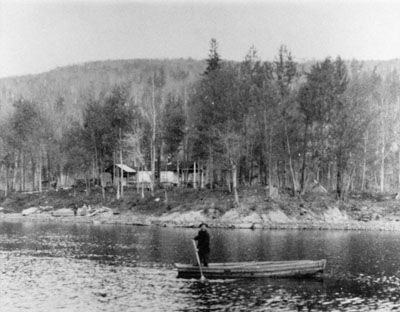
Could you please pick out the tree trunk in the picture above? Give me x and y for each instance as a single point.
(40, 173)
(398, 171)
(33, 171)
(234, 183)
(202, 179)
(15, 173)
(383, 143)
(114, 172)
(102, 182)
(382, 165)
(339, 176)
(364, 165)
(158, 167)
(347, 186)
(120, 159)
(338, 183)
(210, 170)
(48, 175)
(194, 176)
(268, 147)
(74, 190)
(142, 187)
(329, 175)
(303, 167)
(228, 181)
(21, 173)
(153, 135)
(87, 185)
(292, 174)
(7, 181)
(115, 176)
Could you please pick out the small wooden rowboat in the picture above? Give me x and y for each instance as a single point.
(296, 268)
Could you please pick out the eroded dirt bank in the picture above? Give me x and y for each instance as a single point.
(188, 208)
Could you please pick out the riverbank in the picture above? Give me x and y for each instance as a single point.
(189, 207)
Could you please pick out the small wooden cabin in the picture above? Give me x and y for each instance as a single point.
(128, 174)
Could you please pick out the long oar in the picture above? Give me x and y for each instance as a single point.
(202, 278)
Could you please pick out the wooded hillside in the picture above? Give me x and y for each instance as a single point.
(280, 123)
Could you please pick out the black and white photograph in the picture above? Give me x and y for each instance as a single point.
(198, 155)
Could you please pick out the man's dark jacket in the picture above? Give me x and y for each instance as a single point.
(203, 239)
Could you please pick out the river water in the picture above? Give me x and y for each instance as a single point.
(92, 268)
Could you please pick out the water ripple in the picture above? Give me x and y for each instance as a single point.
(95, 269)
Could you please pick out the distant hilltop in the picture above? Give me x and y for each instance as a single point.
(129, 67)
(72, 83)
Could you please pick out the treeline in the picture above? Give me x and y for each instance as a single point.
(274, 123)
(336, 125)
(69, 102)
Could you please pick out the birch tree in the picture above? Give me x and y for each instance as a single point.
(285, 73)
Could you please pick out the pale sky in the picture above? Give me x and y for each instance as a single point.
(39, 35)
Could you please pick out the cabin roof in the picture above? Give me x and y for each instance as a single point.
(125, 168)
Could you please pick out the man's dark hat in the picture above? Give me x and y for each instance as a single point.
(203, 224)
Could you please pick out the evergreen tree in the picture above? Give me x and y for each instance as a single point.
(214, 60)
(173, 125)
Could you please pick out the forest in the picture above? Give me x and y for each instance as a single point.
(277, 123)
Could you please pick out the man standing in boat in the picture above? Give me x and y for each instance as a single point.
(203, 244)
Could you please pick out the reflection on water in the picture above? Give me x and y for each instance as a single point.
(50, 267)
